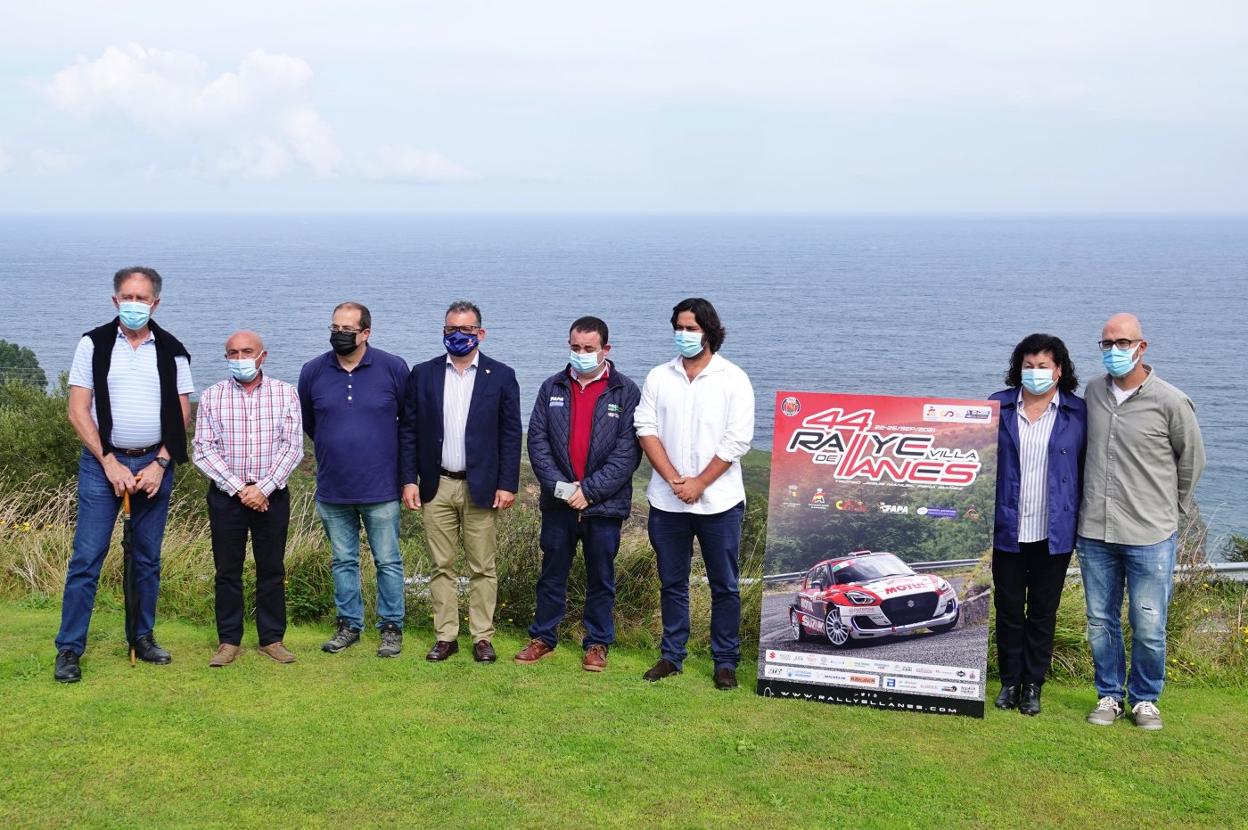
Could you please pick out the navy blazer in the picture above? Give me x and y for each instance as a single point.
(1065, 474)
(493, 436)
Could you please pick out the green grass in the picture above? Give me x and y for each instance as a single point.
(350, 740)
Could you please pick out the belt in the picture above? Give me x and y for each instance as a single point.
(136, 453)
(462, 475)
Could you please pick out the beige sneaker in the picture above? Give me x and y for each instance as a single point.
(278, 652)
(226, 654)
(1146, 715)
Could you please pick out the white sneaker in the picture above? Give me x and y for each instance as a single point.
(1146, 715)
(1107, 710)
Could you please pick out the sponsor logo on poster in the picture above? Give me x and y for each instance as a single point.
(790, 406)
(819, 501)
(851, 505)
(945, 413)
(898, 509)
(938, 512)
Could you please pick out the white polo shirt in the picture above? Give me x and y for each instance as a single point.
(133, 388)
(712, 415)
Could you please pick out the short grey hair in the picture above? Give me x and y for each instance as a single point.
(462, 306)
(137, 270)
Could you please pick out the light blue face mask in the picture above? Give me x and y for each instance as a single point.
(689, 343)
(134, 315)
(585, 363)
(244, 371)
(1038, 381)
(1119, 362)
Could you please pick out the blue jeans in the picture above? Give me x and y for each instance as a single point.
(1148, 572)
(600, 539)
(342, 526)
(719, 537)
(97, 516)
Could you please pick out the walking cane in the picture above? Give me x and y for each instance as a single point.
(129, 593)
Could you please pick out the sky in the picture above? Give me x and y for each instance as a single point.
(973, 106)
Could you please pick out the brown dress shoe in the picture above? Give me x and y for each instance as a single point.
(534, 651)
(660, 670)
(278, 652)
(483, 652)
(226, 652)
(725, 679)
(595, 658)
(441, 650)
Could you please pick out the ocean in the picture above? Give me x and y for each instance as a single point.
(911, 306)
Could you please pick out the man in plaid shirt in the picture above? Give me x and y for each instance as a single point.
(248, 440)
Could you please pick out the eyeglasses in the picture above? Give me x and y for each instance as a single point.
(344, 330)
(1121, 343)
(449, 330)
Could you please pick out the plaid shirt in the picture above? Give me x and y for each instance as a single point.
(248, 437)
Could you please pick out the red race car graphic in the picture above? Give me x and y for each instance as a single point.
(862, 595)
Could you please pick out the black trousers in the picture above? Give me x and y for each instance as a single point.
(231, 521)
(1026, 590)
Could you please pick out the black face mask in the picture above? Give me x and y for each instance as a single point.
(342, 342)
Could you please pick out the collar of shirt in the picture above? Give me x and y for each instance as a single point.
(716, 364)
(476, 358)
(1053, 404)
(605, 373)
(151, 338)
(366, 360)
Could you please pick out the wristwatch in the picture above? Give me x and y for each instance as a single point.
(163, 462)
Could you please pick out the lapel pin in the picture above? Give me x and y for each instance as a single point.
(487, 371)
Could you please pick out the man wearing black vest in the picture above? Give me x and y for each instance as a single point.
(128, 401)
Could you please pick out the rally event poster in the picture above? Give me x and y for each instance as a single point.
(866, 490)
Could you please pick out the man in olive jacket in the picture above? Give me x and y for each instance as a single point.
(584, 452)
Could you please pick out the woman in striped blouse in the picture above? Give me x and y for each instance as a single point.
(1040, 449)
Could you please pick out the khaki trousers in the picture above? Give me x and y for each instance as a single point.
(448, 517)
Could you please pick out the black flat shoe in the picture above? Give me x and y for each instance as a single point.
(67, 670)
(146, 649)
(1029, 703)
(1008, 699)
(725, 679)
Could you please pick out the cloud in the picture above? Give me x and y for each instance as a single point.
(404, 163)
(256, 121)
(54, 161)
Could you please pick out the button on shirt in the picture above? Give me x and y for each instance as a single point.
(244, 437)
(456, 399)
(710, 416)
(1033, 464)
(1144, 458)
(353, 421)
(133, 388)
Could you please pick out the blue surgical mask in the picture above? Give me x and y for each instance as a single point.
(585, 363)
(689, 343)
(1119, 362)
(134, 316)
(244, 371)
(459, 344)
(1038, 381)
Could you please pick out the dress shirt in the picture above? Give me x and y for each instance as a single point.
(697, 420)
(1033, 463)
(456, 399)
(244, 437)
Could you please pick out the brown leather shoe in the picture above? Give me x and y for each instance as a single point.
(278, 652)
(660, 670)
(725, 679)
(483, 652)
(595, 658)
(441, 650)
(226, 653)
(534, 651)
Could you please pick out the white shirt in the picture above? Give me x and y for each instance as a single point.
(1121, 395)
(133, 388)
(456, 398)
(1033, 466)
(712, 415)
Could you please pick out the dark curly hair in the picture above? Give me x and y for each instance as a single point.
(1037, 344)
(708, 320)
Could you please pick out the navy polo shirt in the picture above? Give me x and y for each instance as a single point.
(353, 421)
